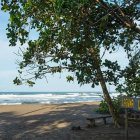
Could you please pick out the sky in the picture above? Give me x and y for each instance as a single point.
(56, 83)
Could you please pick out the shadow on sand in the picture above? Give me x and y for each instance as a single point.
(50, 122)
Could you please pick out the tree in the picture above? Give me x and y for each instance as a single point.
(131, 85)
(72, 34)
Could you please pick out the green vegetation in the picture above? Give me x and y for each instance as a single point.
(131, 85)
(71, 36)
(103, 108)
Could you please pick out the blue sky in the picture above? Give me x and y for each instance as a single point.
(8, 68)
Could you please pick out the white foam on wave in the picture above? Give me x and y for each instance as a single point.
(116, 94)
(49, 98)
(10, 103)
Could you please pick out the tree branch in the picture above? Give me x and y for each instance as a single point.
(126, 23)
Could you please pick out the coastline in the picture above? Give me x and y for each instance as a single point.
(38, 103)
(18, 109)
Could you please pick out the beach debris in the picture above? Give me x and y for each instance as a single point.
(89, 126)
(76, 128)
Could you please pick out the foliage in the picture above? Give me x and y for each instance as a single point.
(131, 85)
(67, 31)
(103, 108)
(69, 78)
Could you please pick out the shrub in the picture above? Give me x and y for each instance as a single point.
(103, 108)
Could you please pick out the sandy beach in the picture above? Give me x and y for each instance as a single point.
(55, 121)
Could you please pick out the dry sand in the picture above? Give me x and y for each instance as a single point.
(54, 122)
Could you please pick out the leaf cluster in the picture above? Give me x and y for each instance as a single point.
(67, 32)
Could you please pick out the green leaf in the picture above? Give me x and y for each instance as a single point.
(11, 19)
(30, 3)
(5, 10)
(105, 17)
(69, 78)
(69, 24)
(19, 71)
(79, 5)
(103, 24)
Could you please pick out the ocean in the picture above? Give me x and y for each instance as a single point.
(12, 98)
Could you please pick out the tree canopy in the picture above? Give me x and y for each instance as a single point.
(131, 84)
(71, 35)
(67, 29)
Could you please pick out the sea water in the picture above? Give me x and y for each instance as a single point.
(9, 98)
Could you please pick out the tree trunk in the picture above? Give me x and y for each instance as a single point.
(110, 105)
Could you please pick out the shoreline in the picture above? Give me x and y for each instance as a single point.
(34, 109)
(36, 103)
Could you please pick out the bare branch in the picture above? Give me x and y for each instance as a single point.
(103, 53)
